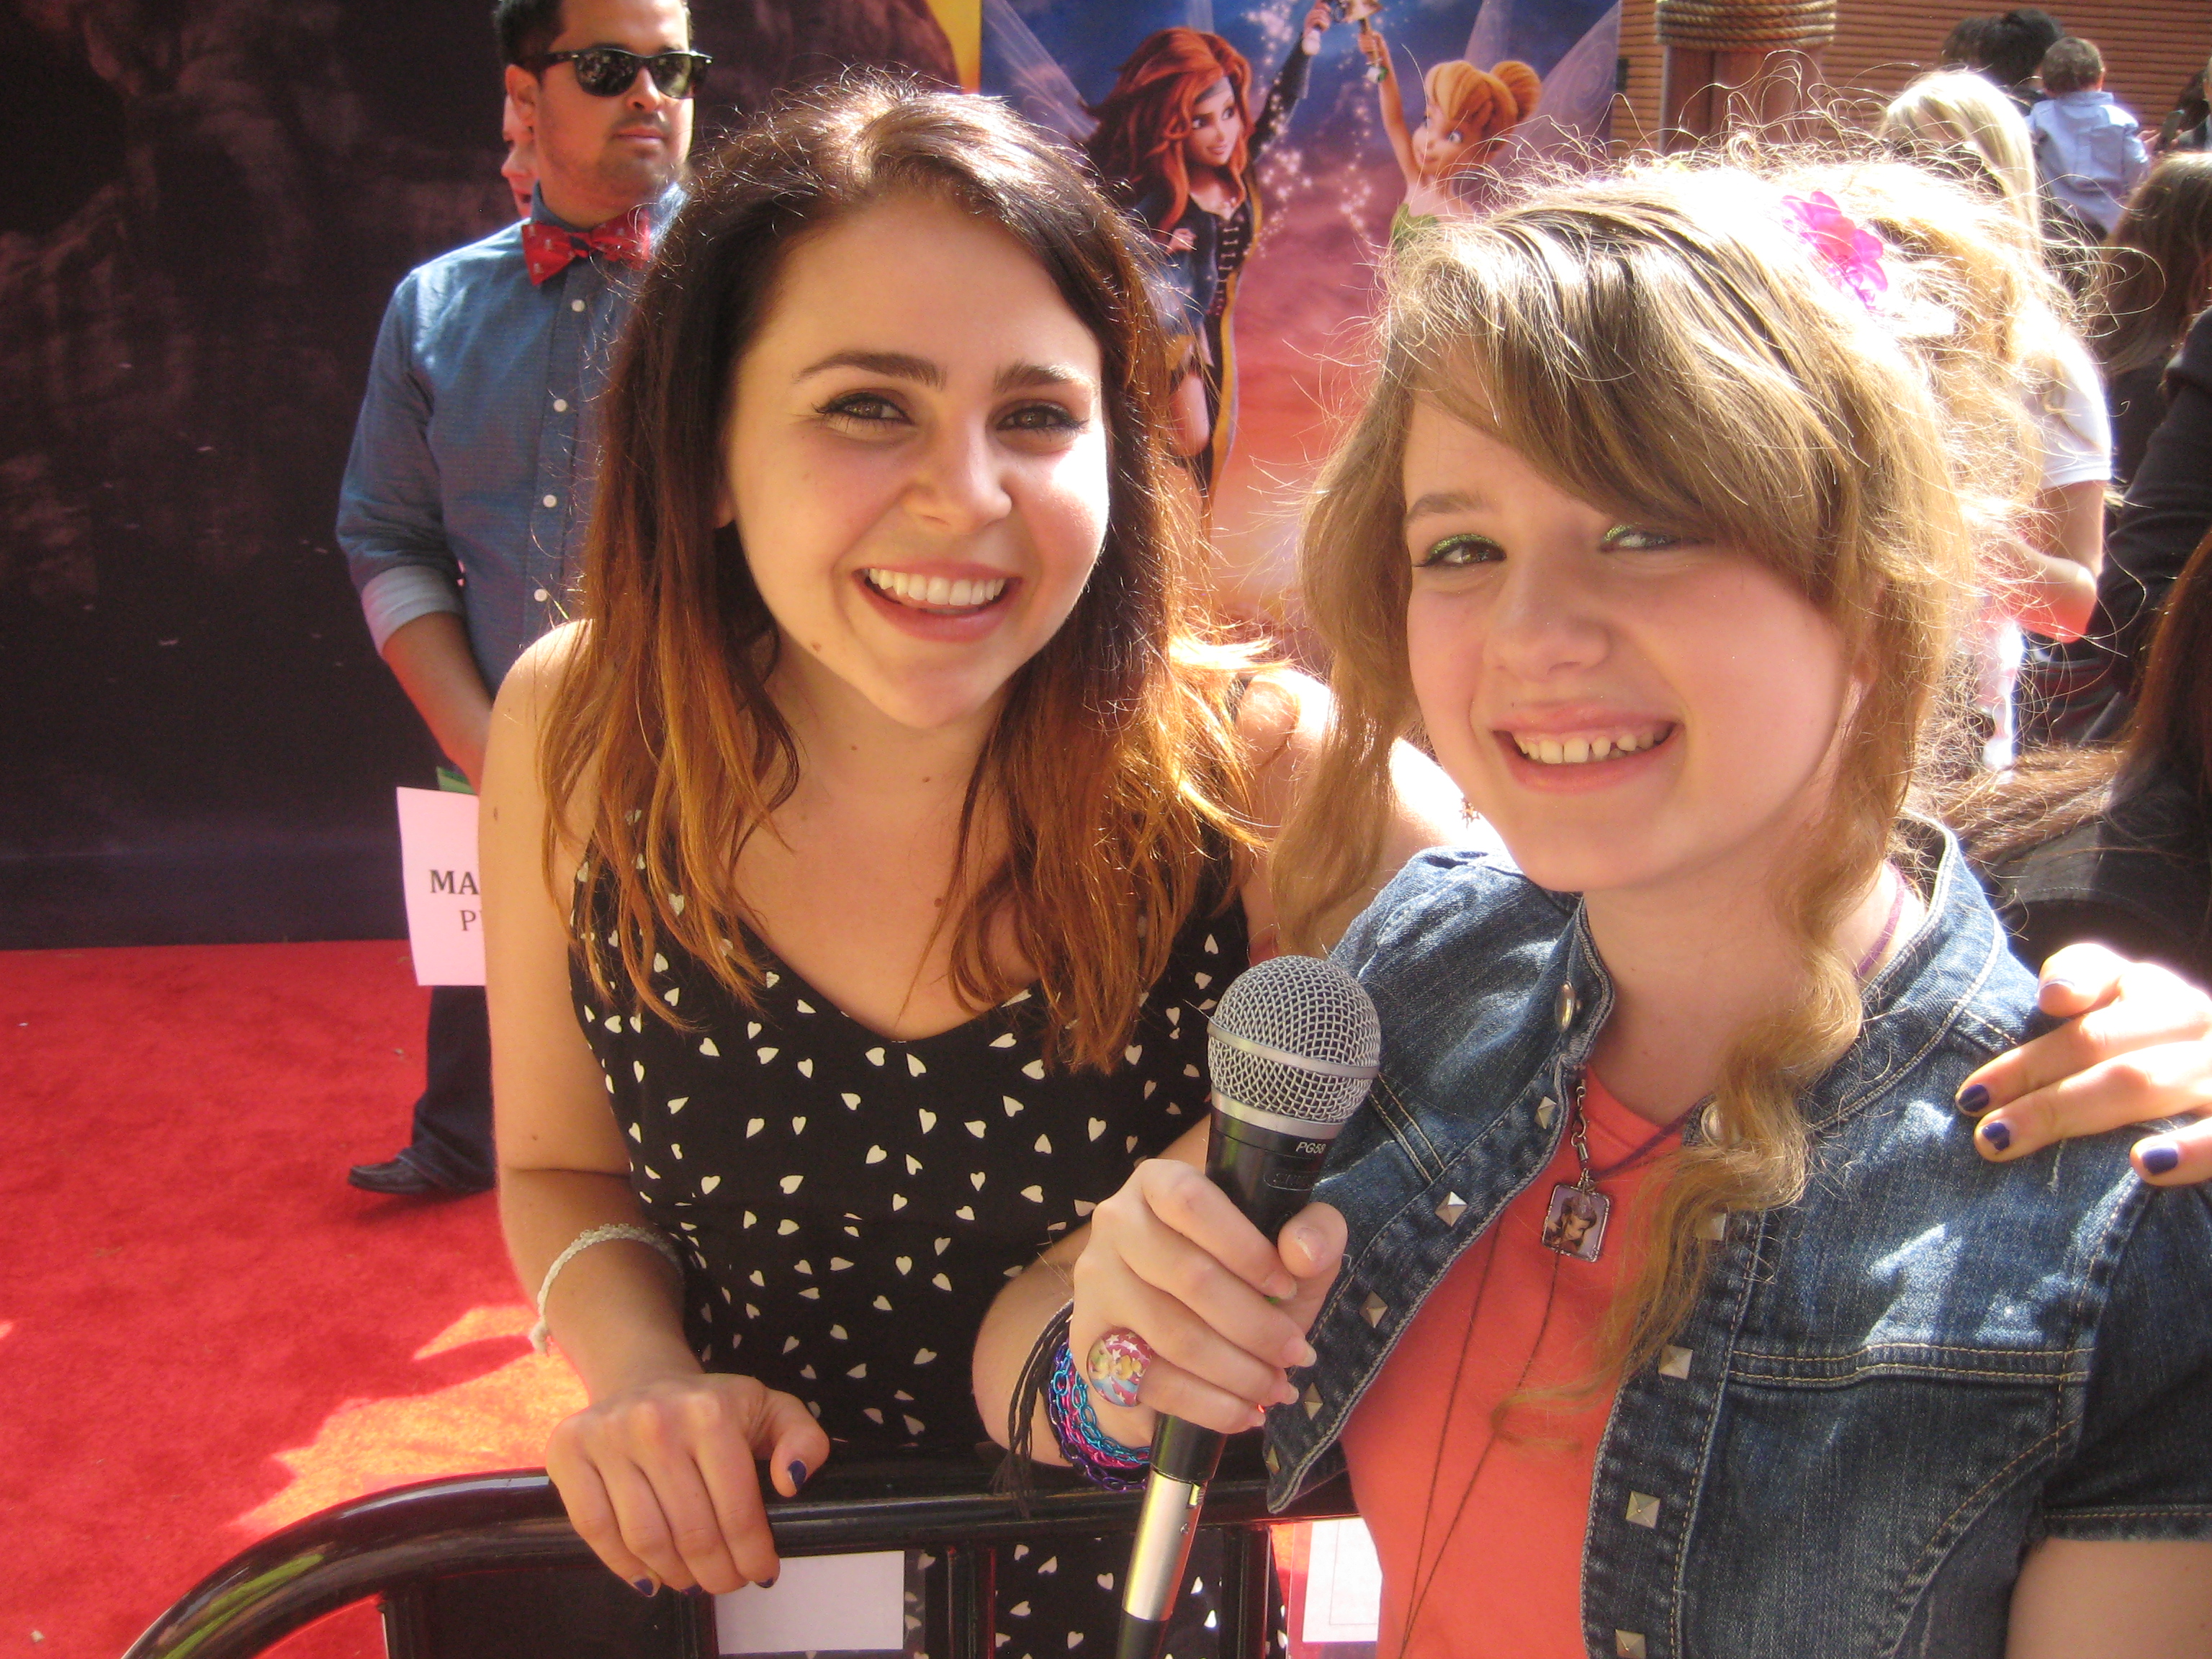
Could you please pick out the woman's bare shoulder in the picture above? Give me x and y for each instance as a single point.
(543, 669)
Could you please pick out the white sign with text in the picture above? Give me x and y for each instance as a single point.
(445, 906)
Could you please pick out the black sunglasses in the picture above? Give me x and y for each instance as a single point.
(609, 71)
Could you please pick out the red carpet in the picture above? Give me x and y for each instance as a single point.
(205, 1335)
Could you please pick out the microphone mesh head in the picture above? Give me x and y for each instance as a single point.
(1305, 1008)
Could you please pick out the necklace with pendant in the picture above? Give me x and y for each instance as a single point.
(1575, 1219)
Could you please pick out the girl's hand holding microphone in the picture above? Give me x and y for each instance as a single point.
(1183, 1307)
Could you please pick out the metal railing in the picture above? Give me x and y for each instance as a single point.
(409, 1546)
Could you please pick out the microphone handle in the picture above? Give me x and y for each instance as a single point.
(1271, 1176)
(1184, 1458)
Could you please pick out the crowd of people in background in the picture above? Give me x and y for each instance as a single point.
(2122, 218)
(820, 878)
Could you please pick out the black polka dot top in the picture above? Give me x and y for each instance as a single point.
(849, 1204)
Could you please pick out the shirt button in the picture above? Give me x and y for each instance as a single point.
(559, 405)
(1628, 1644)
(552, 500)
(541, 596)
(575, 305)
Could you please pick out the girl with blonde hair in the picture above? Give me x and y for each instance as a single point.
(1958, 118)
(1467, 116)
(1959, 124)
(1657, 525)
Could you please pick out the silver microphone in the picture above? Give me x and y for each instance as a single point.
(1293, 1047)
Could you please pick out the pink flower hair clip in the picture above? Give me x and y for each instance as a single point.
(1849, 253)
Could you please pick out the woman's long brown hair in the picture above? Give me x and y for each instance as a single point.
(2156, 272)
(1112, 779)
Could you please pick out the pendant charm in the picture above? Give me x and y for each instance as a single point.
(1574, 1221)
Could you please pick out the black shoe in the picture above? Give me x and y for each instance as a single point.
(400, 1178)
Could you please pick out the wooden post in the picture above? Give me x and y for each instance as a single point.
(1738, 63)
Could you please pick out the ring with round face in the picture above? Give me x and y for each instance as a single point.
(1116, 1366)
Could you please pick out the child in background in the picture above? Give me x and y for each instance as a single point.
(1958, 125)
(2089, 151)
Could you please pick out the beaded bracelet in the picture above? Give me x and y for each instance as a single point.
(1090, 1450)
(652, 1238)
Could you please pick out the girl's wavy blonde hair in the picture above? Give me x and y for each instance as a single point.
(1667, 343)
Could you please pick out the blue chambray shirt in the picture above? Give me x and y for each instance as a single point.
(1887, 1390)
(468, 487)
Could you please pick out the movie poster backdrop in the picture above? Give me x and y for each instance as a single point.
(212, 202)
(1253, 139)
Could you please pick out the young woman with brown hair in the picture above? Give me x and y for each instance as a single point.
(903, 815)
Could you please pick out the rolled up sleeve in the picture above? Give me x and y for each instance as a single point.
(391, 524)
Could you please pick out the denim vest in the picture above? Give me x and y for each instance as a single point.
(1886, 1390)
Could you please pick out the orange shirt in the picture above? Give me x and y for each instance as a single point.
(1481, 1534)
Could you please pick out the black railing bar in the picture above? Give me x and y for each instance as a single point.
(514, 1519)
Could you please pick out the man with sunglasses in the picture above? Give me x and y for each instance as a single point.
(469, 486)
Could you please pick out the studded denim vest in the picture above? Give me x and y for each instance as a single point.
(1886, 1390)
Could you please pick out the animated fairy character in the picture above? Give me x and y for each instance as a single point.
(1177, 144)
(1469, 113)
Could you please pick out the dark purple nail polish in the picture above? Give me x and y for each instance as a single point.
(797, 1471)
(2160, 1160)
(769, 1583)
(1999, 1135)
(1973, 1099)
(645, 1587)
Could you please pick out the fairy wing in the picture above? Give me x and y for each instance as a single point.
(1490, 38)
(1570, 111)
(1018, 68)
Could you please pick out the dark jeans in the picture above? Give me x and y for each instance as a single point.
(453, 1119)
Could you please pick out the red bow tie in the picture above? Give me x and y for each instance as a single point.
(549, 249)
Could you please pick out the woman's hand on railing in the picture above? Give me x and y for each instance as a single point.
(1225, 1312)
(659, 1479)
